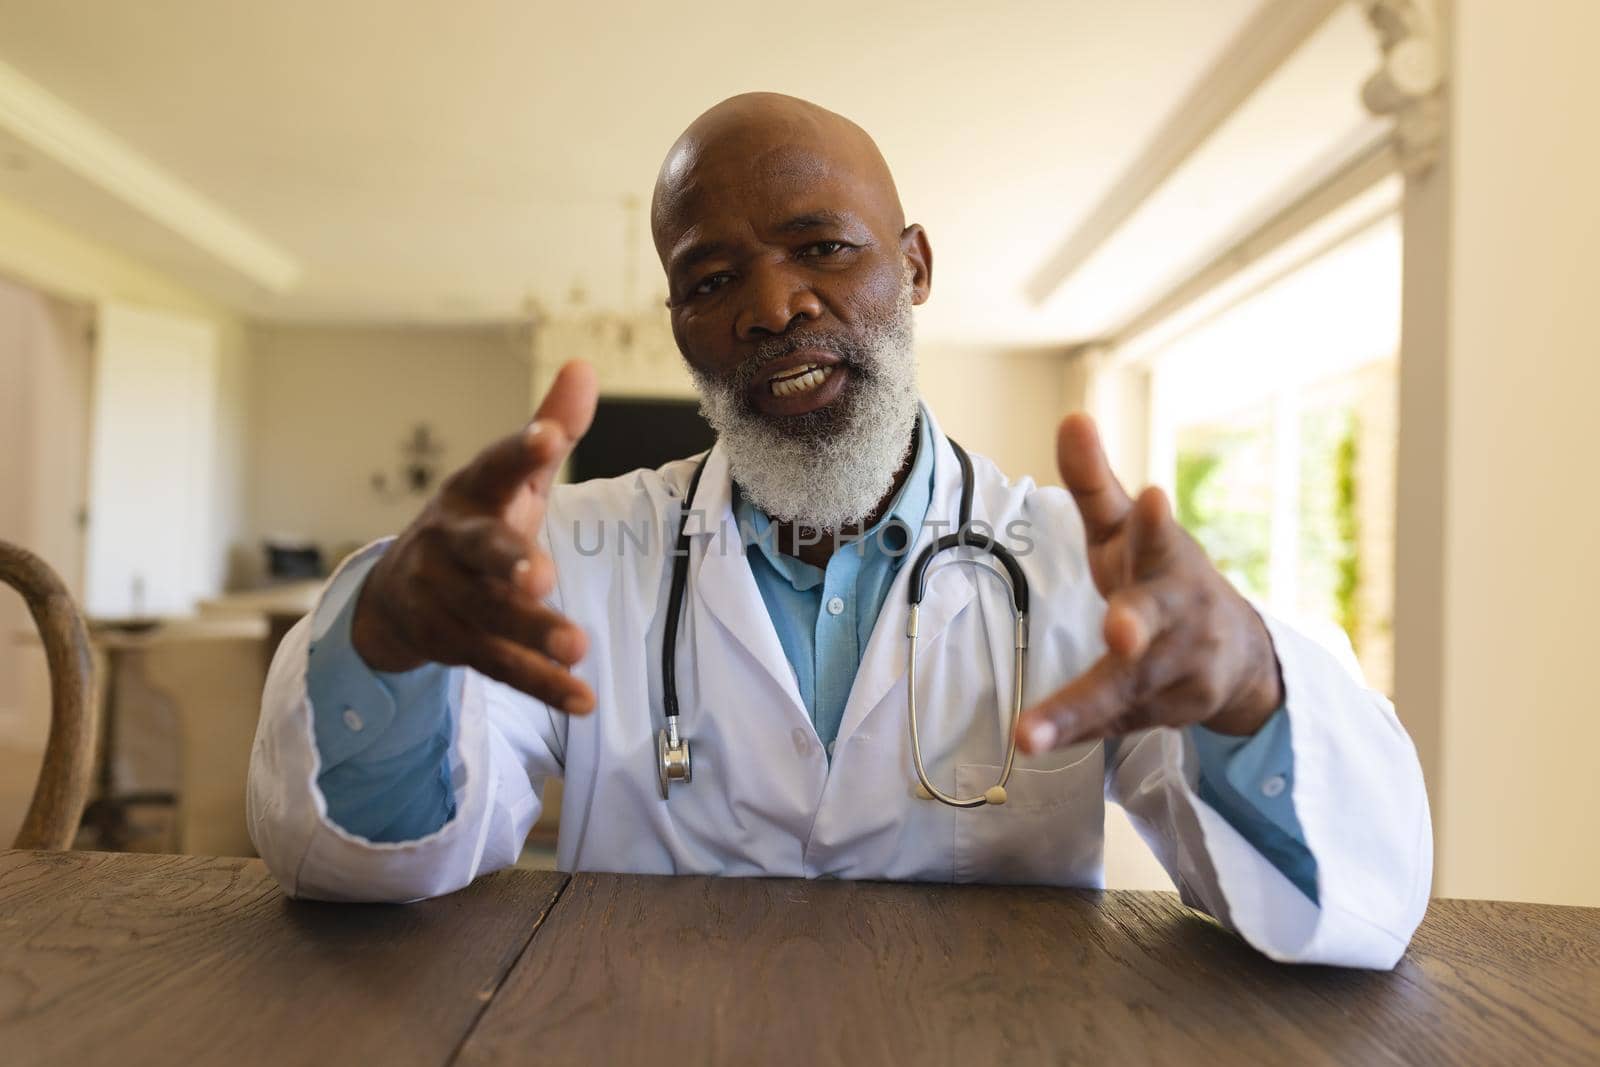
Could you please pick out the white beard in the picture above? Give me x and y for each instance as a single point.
(828, 469)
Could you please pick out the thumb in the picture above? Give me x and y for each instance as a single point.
(569, 405)
(533, 457)
(571, 400)
(1087, 474)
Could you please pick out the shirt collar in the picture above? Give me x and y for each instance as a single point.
(909, 508)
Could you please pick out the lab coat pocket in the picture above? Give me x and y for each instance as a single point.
(1048, 832)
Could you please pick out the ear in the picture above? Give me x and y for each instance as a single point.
(919, 257)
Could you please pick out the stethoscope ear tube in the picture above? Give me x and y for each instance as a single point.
(673, 763)
(966, 537)
(918, 586)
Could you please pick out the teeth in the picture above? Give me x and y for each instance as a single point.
(800, 380)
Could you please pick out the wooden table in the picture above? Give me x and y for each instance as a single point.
(164, 959)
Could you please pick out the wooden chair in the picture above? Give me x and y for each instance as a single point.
(58, 799)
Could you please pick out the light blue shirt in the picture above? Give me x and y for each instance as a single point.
(825, 615)
(384, 739)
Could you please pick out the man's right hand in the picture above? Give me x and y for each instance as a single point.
(465, 583)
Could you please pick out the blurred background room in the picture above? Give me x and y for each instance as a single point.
(1324, 269)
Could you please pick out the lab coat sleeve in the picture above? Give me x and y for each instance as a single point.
(503, 745)
(1358, 791)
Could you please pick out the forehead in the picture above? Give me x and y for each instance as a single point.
(731, 192)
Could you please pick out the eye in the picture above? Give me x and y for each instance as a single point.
(710, 284)
(823, 249)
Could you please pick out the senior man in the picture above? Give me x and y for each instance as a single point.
(409, 724)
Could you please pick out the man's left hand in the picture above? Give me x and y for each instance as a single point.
(1182, 646)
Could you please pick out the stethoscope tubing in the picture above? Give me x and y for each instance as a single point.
(672, 750)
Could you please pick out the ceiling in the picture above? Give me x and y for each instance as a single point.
(433, 162)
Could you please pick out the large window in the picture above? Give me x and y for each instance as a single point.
(1273, 428)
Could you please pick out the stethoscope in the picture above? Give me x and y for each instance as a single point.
(673, 762)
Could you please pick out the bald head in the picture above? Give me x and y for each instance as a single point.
(786, 250)
(756, 141)
(792, 275)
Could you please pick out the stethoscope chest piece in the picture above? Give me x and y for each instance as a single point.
(672, 757)
(995, 794)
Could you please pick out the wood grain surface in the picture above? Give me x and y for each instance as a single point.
(692, 970)
(131, 959)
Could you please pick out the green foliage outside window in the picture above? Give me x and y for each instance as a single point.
(1222, 495)
(1347, 589)
(1330, 546)
(1221, 498)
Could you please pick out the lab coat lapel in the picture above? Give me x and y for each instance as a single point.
(720, 576)
(885, 661)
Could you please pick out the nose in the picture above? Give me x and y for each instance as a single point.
(777, 302)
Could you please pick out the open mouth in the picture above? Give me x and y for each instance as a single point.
(799, 382)
(802, 379)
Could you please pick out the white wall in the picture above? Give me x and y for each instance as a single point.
(63, 369)
(1521, 719)
(44, 382)
(77, 270)
(634, 356)
(16, 504)
(153, 449)
(330, 406)
(1002, 402)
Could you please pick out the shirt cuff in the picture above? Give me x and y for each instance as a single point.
(357, 713)
(1250, 782)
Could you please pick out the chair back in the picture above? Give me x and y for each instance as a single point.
(63, 786)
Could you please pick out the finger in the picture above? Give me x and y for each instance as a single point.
(1099, 496)
(1181, 699)
(1130, 721)
(506, 611)
(534, 626)
(1170, 659)
(1138, 615)
(1153, 535)
(457, 639)
(532, 673)
(496, 474)
(1191, 699)
(486, 546)
(1080, 708)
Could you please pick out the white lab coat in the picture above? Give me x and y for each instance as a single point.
(765, 799)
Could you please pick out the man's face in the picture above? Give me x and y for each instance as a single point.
(783, 267)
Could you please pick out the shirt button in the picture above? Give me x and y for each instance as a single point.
(352, 719)
(896, 536)
(1273, 787)
(835, 606)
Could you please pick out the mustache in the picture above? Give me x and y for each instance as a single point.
(851, 353)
